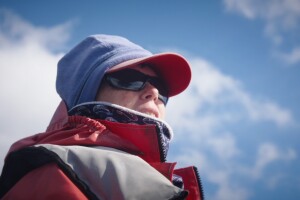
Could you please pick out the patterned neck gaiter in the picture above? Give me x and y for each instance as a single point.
(116, 113)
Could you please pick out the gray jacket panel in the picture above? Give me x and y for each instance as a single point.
(114, 174)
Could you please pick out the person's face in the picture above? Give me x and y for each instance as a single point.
(144, 101)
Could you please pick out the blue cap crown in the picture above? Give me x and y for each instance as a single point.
(80, 71)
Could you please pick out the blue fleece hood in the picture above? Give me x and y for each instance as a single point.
(81, 70)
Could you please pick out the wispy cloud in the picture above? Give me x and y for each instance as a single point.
(28, 58)
(225, 97)
(292, 57)
(223, 174)
(220, 176)
(268, 153)
(16, 31)
(281, 17)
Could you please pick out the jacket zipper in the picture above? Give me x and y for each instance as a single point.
(163, 158)
(200, 186)
(162, 150)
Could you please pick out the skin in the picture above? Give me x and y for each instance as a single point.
(144, 101)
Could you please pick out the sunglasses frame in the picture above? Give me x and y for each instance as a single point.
(134, 80)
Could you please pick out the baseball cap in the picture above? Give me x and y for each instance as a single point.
(172, 68)
(81, 70)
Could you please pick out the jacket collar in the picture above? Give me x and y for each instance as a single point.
(117, 117)
(115, 113)
(105, 111)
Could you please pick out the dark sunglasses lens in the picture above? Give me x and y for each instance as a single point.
(164, 99)
(125, 84)
(130, 79)
(127, 79)
(163, 93)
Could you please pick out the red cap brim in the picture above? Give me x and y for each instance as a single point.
(171, 67)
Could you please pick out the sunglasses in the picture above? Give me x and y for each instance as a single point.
(130, 79)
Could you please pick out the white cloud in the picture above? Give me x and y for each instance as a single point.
(244, 7)
(223, 174)
(15, 31)
(275, 180)
(214, 98)
(292, 57)
(268, 9)
(227, 191)
(28, 58)
(224, 146)
(264, 110)
(268, 153)
(280, 16)
(221, 177)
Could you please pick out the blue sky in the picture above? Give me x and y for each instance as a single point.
(238, 121)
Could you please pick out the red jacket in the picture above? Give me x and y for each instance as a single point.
(42, 158)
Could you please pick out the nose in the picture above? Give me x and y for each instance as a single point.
(149, 93)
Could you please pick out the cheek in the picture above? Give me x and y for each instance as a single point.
(162, 111)
(119, 97)
(127, 99)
